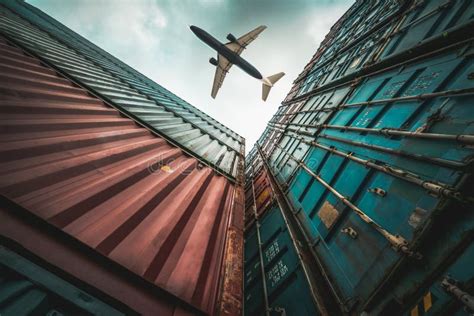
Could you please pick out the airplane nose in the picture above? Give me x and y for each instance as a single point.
(195, 30)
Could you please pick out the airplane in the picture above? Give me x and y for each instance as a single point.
(229, 54)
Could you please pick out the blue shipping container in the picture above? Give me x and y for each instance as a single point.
(284, 275)
(375, 158)
(381, 168)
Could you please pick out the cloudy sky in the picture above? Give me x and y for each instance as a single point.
(153, 36)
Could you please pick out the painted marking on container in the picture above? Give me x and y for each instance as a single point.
(355, 62)
(427, 302)
(328, 214)
(394, 87)
(423, 305)
(263, 196)
(272, 250)
(166, 169)
(417, 217)
(421, 84)
(277, 272)
(378, 191)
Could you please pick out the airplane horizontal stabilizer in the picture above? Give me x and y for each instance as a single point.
(268, 82)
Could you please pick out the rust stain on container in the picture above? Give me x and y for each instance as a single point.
(263, 195)
(79, 165)
(130, 91)
(232, 287)
(328, 214)
(231, 302)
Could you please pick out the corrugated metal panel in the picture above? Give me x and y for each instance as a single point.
(123, 86)
(374, 171)
(438, 299)
(426, 20)
(263, 194)
(119, 189)
(285, 279)
(277, 266)
(376, 161)
(361, 19)
(29, 289)
(66, 256)
(391, 35)
(313, 113)
(353, 43)
(232, 290)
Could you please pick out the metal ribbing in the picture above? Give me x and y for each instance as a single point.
(398, 242)
(326, 304)
(259, 239)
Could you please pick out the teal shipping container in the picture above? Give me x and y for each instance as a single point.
(284, 275)
(371, 154)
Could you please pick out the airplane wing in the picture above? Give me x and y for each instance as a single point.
(244, 40)
(222, 68)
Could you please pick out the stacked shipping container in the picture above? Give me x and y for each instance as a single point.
(117, 197)
(371, 154)
(135, 94)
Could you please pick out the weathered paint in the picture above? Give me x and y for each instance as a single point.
(426, 20)
(414, 176)
(436, 300)
(70, 257)
(355, 40)
(270, 239)
(28, 288)
(376, 156)
(232, 290)
(126, 193)
(352, 44)
(123, 86)
(263, 195)
(391, 30)
(285, 278)
(232, 295)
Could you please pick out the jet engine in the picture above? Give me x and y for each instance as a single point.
(231, 38)
(213, 61)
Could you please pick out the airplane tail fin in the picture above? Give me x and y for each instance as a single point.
(268, 82)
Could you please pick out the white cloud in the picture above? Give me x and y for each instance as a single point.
(320, 20)
(153, 37)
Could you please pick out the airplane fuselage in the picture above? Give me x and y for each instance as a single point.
(221, 49)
